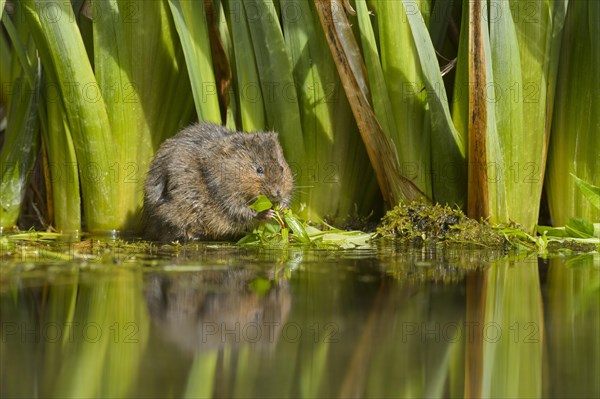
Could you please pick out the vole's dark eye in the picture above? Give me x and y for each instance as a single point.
(260, 171)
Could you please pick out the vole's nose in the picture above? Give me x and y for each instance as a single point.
(276, 196)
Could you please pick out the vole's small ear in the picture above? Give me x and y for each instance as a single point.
(165, 194)
(267, 137)
(157, 188)
(231, 145)
(254, 139)
(228, 149)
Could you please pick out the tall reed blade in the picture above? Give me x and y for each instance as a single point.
(144, 105)
(63, 54)
(336, 174)
(248, 88)
(431, 151)
(5, 74)
(404, 79)
(575, 138)
(62, 162)
(276, 79)
(478, 68)
(448, 146)
(191, 21)
(21, 139)
(524, 58)
(226, 61)
(510, 97)
(381, 150)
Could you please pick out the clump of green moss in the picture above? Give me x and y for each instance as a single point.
(420, 222)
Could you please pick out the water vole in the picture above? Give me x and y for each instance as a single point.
(202, 180)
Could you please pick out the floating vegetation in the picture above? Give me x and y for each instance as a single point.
(419, 222)
(408, 223)
(569, 246)
(34, 246)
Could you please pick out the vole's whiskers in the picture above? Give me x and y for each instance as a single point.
(296, 191)
(299, 192)
(294, 194)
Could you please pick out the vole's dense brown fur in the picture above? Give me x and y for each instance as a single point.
(202, 180)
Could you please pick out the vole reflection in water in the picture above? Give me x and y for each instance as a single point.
(213, 308)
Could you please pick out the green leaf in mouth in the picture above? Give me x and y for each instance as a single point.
(261, 203)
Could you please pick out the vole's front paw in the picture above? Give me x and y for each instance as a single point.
(268, 214)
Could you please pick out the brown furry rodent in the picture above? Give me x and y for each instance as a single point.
(202, 180)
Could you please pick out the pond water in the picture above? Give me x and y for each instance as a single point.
(224, 321)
